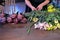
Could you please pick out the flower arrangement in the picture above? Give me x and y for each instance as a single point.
(45, 20)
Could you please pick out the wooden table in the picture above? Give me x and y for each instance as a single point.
(18, 32)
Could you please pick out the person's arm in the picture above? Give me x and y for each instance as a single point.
(40, 6)
(28, 3)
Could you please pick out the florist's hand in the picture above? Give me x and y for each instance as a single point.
(39, 7)
(33, 9)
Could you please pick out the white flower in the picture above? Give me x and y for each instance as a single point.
(36, 26)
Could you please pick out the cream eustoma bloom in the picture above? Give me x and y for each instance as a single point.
(35, 19)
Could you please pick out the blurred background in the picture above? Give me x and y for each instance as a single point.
(10, 6)
(19, 6)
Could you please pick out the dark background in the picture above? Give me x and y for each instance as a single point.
(20, 1)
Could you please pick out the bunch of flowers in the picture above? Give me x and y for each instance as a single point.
(45, 20)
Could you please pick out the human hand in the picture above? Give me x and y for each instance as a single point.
(39, 7)
(33, 9)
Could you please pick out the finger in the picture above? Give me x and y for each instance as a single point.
(35, 9)
(39, 8)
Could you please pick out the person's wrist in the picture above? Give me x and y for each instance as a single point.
(41, 5)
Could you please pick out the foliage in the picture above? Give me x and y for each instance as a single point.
(51, 17)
